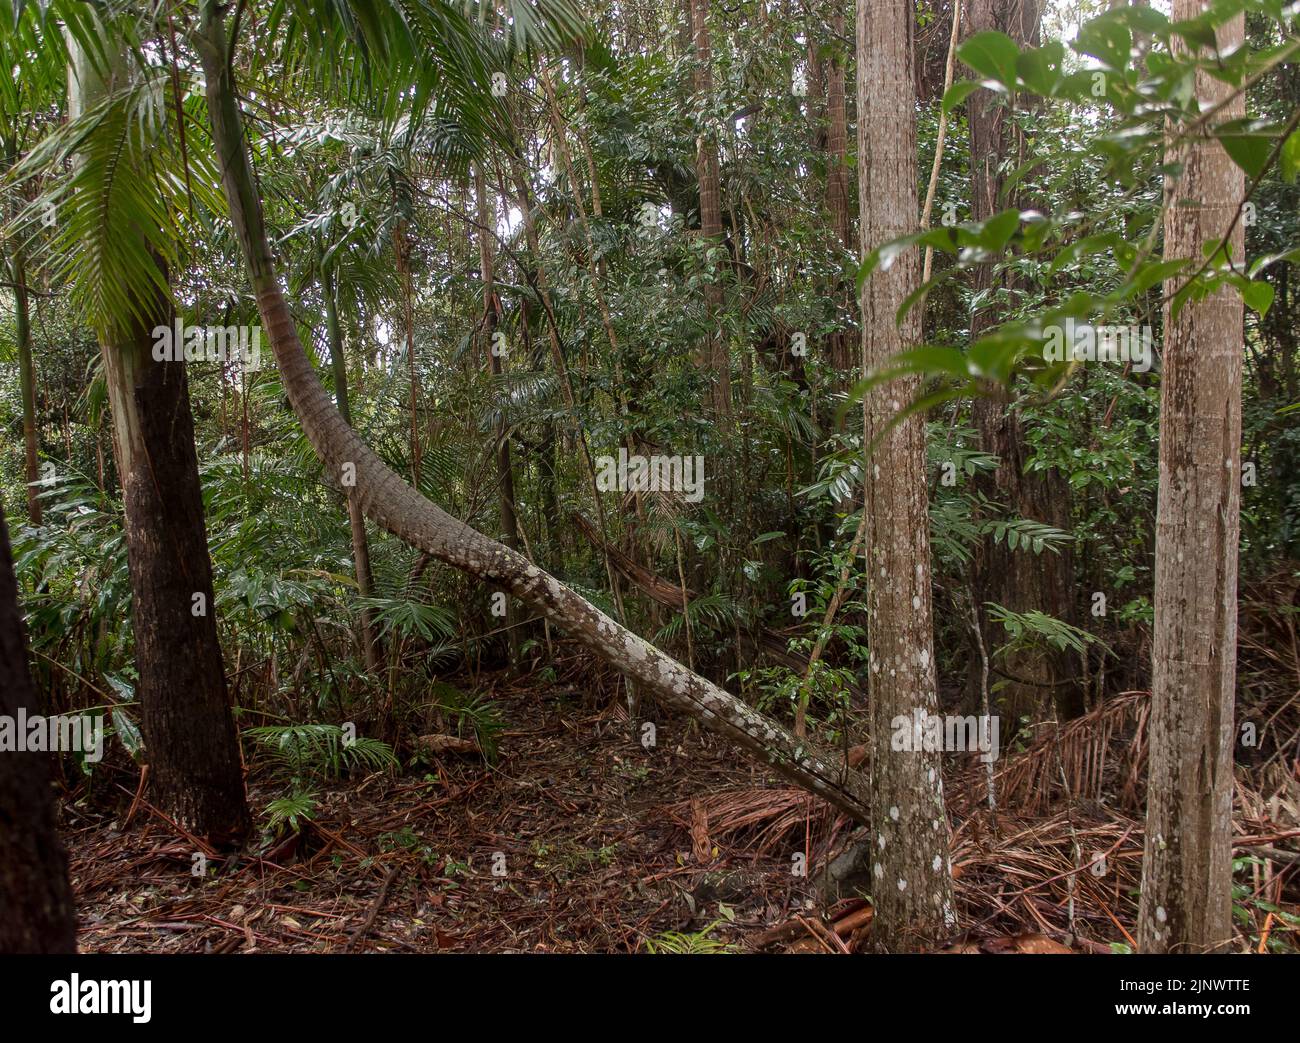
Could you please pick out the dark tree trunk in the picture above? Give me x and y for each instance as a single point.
(189, 732)
(715, 358)
(37, 914)
(1017, 580)
(491, 317)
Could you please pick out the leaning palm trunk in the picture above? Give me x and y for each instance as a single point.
(391, 503)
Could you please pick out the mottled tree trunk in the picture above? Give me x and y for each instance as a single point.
(393, 504)
(1186, 902)
(911, 875)
(37, 914)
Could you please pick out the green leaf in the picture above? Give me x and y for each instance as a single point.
(992, 357)
(1102, 242)
(996, 232)
(991, 54)
(958, 93)
(1258, 296)
(1197, 31)
(1040, 68)
(1149, 274)
(1260, 263)
(931, 360)
(884, 255)
(1144, 19)
(1106, 39)
(1248, 142)
(1290, 158)
(127, 731)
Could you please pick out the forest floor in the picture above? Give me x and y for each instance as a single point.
(582, 839)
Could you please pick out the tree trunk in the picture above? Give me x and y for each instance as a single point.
(538, 279)
(393, 504)
(27, 385)
(1186, 902)
(189, 732)
(1015, 579)
(356, 520)
(491, 317)
(911, 874)
(837, 186)
(837, 141)
(716, 360)
(39, 915)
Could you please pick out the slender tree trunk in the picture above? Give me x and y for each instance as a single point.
(716, 360)
(27, 386)
(393, 504)
(1186, 902)
(595, 271)
(1015, 579)
(538, 278)
(38, 911)
(837, 182)
(356, 520)
(911, 873)
(189, 732)
(547, 466)
(402, 250)
(491, 317)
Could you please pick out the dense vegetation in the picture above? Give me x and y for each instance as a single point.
(522, 246)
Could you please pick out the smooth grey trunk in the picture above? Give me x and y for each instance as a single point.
(1186, 901)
